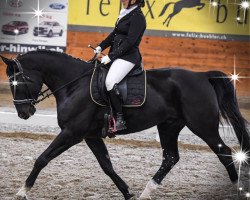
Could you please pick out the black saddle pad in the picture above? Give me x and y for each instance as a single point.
(132, 88)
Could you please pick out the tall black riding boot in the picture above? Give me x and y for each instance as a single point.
(116, 103)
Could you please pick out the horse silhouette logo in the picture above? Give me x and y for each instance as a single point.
(178, 6)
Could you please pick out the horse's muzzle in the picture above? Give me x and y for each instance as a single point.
(27, 115)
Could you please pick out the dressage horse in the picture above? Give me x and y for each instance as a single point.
(175, 98)
(178, 6)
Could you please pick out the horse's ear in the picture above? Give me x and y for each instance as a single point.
(7, 61)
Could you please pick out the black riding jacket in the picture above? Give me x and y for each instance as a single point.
(124, 40)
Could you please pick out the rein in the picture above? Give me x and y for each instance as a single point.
(33, 101)
(63, 86)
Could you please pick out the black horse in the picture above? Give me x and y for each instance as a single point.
(175, 98)
(178, 6)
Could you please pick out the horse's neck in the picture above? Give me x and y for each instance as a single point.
(58, 73)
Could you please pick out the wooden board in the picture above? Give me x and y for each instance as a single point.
(157, 52)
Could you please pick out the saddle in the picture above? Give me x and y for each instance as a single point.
(132, 87)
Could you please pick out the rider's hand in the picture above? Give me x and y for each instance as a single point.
(98, 50)
(105, 60)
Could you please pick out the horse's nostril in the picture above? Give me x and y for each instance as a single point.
(32, 110)
(20, 115)
(23, 116)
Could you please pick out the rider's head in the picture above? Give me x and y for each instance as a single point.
(129, 3)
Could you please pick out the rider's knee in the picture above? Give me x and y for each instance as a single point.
(109, 84)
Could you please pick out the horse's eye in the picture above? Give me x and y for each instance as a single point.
(26, 78)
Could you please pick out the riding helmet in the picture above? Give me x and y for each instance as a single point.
(140, 3)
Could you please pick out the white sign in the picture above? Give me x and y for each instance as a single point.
(27, 25)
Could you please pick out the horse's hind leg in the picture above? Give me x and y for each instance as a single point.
(168, 133)
(61, 143)
(99, 149)
(224, 153)
(207, 129)
(176, 11)
(166, 21)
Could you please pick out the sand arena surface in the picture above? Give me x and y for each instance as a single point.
(76, 174)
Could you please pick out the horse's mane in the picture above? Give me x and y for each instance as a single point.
(49, 52)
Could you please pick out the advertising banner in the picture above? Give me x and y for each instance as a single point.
(208, 19)
(33, 24)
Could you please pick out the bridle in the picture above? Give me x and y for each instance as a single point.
(25, 78)
(42, 94)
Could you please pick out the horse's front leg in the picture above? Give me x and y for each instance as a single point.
(100, 151)
(61, 143)
(168, 133)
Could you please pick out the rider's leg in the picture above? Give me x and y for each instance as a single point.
(116, 102)
(118, 70)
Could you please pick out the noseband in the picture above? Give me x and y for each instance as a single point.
(25, 78)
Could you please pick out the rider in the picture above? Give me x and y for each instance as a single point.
(124, 51)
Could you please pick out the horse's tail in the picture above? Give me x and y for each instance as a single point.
(228, 106)
(165, 8)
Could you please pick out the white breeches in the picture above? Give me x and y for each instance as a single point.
(118, 70)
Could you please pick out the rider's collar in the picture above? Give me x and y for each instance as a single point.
(124, 12)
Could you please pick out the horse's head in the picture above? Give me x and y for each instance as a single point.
(25, 84)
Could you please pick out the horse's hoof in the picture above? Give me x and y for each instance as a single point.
(239, 186)
(132, 197)
(145, 198)
(22, 193)
(21, 197)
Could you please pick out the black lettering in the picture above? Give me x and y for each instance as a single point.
(88, 5)
(150, 9)
(221, 20)
(101, 7)
(244, 14)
